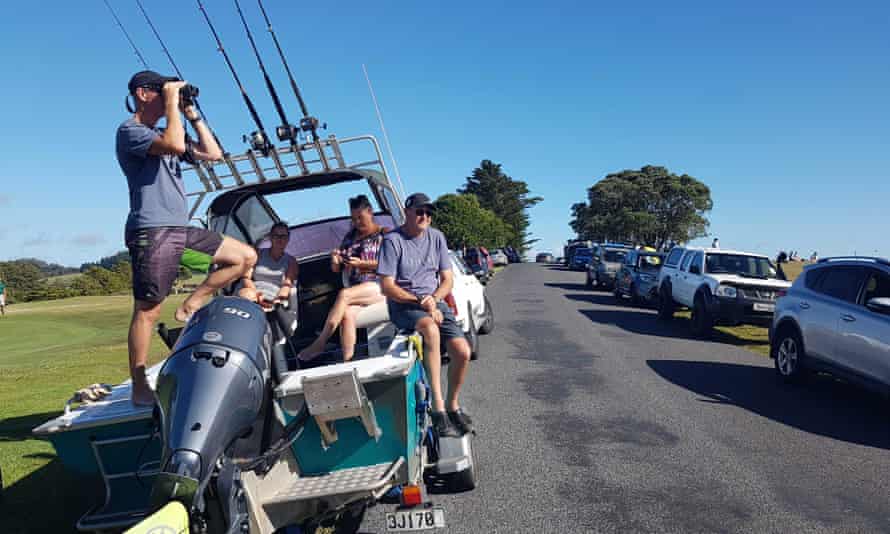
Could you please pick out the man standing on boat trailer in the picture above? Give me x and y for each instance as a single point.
(416, 278)
(157, 228)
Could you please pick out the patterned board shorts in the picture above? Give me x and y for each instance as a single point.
(155, 255)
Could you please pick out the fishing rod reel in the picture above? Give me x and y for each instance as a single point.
(310, 125)
(258, 142)
(287, 132)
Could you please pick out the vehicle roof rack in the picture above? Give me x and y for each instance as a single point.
(873, 259)
(282, 163)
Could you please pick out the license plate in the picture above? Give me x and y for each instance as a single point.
(413, 520)
(764, 307)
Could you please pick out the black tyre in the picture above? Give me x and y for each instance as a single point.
(466, 479)
(589, 282)
(702, 323)
(617, 293)
(666, 305)
(472, 334)
(488, 324)
(634, 299)
(788, 355)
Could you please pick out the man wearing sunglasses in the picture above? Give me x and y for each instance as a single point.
(415, 272)
(157, 230)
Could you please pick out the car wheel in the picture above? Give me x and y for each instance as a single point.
(596, 280)
(472, 335)
(634, 299)
(616, 292)
(788, 355)
(488, 323)
(702, 323)
(589, 282)
(665, 305)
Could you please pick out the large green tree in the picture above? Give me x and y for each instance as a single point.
(506, 197)
(466, 223)
(649, 206)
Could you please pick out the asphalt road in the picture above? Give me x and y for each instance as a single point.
(595, 417)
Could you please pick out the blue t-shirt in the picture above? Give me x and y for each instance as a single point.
(157, 192)
(414, 262)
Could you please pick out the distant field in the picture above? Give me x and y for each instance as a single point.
(49, 350)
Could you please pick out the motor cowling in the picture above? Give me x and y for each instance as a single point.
(210, 391)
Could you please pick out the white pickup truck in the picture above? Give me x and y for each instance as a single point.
(719, 286)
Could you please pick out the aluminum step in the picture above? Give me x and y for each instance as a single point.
(371, 479)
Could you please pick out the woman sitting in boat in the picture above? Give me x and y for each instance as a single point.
(358, 256)
(275, 273)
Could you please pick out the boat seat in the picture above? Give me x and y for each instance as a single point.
(373, 315)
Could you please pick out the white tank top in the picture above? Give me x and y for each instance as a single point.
(268, 274)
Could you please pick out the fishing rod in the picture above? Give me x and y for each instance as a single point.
(127, 35)
(287, 131)
(308, 123)
(258, 140)
(178, 73)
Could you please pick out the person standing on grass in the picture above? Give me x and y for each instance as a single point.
(2, 297)
(157, 230)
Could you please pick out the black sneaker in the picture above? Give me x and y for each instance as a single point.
(461, 421)
(443, 427)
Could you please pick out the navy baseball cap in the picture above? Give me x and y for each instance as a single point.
(149, 78)
(418, 200)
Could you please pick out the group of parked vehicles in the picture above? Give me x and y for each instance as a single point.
(482, 263)
(834, 317)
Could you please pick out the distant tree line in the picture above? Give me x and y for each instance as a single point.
(490, 210)
(650, 206)
(27, 282)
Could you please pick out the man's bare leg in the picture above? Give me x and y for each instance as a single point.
(432, 359)
(145, 315)
(459, 352)
(235, 259)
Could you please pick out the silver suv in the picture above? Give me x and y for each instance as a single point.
(836, 318)
(604, 265)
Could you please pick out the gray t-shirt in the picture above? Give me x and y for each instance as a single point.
(157, 192)
(414, 262)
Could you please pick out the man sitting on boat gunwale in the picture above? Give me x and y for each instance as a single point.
(157, 230)
(416, 277)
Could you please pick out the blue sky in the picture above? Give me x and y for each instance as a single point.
(782, 110)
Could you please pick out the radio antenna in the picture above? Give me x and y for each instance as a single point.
(127, 35)
(392, 156)
(258, 140)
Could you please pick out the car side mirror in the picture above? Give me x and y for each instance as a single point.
(879, 305)
(695, 269)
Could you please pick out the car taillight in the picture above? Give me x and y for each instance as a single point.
(449, 300)
(781, 293)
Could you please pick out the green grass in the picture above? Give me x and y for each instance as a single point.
(49, 350)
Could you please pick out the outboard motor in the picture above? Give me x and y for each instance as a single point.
(210, 392)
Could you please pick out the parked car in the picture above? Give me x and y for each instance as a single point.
(544, 257)
(605, 264)
(835, 318)
(499, 257)
(719, 286)
(478, 263)
(470, 306)
(512, 255)
(638, 277)
(569, 250)
(560, 260)
(580, 259)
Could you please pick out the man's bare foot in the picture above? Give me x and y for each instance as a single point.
(141, 394)
(185, 311)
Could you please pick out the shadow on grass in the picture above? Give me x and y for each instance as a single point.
(820, 405)
(641, 320)
(19, 428)
(49, 499)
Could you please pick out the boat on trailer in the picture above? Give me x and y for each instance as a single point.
(242, 441)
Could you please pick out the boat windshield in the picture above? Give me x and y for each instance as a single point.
(740, 264)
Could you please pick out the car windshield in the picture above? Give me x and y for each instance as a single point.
(583, 253)
(649, 262)
(742, 265)
(614, 256)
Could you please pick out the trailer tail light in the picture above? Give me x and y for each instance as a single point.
(451, 304)
(411, 495)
